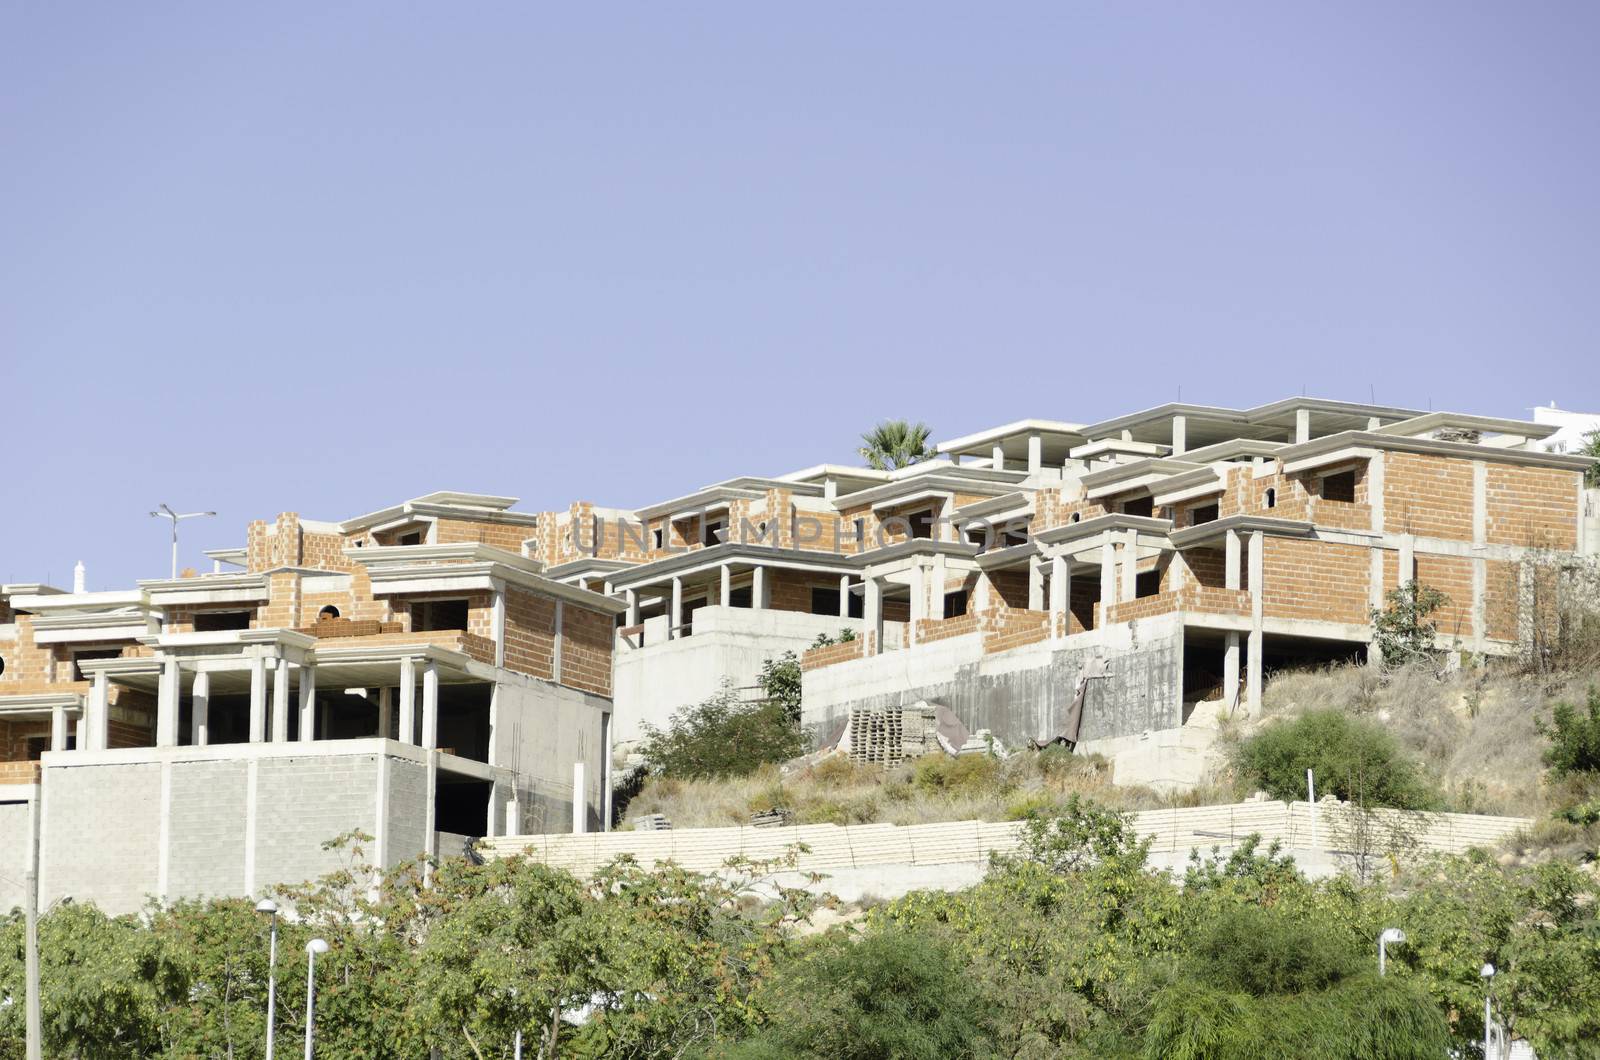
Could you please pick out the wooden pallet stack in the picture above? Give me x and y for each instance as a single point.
(887, 738)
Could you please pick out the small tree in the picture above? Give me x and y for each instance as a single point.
(780, 683)
(895, 444)
(1591, 448)
(1574, 737)
(722, 737)
(1404, 629)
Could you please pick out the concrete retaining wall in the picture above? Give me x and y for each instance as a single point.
(651, 682)
(194, 822)
(856, 847)
(1021, 693)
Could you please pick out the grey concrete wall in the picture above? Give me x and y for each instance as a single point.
(100, 834)
(1021, 693)
(407, 812)
(13, 853)
(205, 856)
(302, 803)
(541, 731)
(103, 831)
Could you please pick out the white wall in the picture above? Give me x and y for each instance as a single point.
(649, 683)
(541, 730)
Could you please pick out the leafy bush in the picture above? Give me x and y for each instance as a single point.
(1353, 758)
(892, 994)
(1574, 737)
(963, 773)
(723, 737)
(1404, 628)
(780, 683)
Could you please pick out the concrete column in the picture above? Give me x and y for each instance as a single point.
(1035, 584)
(675, 610)
(80, 730)
(1108, 575)
(58, 728)
(1035, 453)
(633, 607)
(1408, 559)
(1480, 503)
(258, 699)
(430, 705)
(1180, 435)
(999, 455)
(727, 585)
(201, 697)
(580, 801)
(99, 712)
(386, 713)
(167, 705)
(941, 578)
(919, 601)
(1230, 669)
(498, 627)
(1060, 595)
(874, 613)
(308, 703)
(1373, 423)
(1254, 648)
(280, 701)
(408, 701)
(1231, 573)
(1302, 425)
(1130, 566)
(844, 596)
(559, 642)
(607, 781)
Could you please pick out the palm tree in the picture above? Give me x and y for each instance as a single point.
(895, 444)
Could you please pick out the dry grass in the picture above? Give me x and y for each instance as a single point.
(935, 788)
(1475, 730)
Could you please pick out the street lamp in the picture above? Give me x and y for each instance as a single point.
(1487, 973)
(1389, 935)
(270, 908)
(314, 947)
(166, 512)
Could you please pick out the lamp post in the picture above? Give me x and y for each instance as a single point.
(1389, 935)
(269, 907)
(314, 947)
(166, 512)
(1488, 987)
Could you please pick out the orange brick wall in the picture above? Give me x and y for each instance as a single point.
(1451, 575)
(586, 642)
(1430, 496)
(530, 633)
(1314, 580)
(1532, 506)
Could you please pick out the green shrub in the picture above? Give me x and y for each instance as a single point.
(780, 683)
(963, 774)
(1404, 628)
(892, 994)
(723, 737)
(1353, 758)
(1574, 737)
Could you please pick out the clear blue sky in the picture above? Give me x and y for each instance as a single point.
(323, 257)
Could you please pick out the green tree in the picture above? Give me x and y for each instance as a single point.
(1574, 737)
(724, 736)
(1591, 449)
(892, 994)
(1404, 628)
(780, 683)
(895, 444)
(1353, 758)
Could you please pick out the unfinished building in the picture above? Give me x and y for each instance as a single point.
(409, 674)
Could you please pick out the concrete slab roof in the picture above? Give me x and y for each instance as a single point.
(1211, 424)
(1012, 438)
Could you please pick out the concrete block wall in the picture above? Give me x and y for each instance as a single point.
(120, 826)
